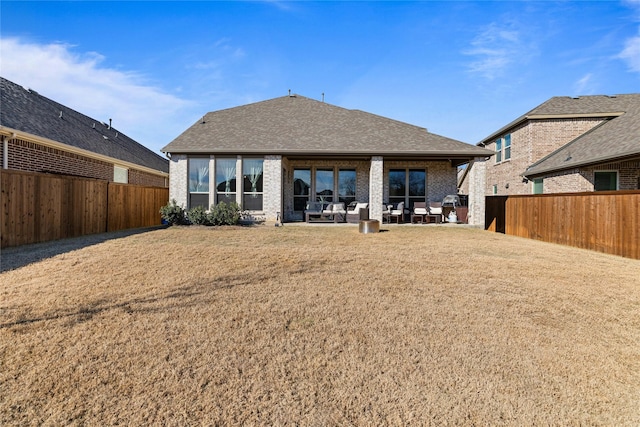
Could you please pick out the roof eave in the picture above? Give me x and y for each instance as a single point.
(288, 152)
(604, 159)
(17, 134)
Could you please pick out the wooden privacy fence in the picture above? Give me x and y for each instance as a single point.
(607, 222)
(41, 207)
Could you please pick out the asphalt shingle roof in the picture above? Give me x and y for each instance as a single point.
(27, 111)
(616, 139)
(298, 125)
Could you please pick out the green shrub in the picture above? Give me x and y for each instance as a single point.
(198, 216)
(224, 214)
(173, 214)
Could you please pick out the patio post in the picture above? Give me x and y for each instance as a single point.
(376, 188)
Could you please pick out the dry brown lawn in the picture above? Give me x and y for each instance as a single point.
(317, 326)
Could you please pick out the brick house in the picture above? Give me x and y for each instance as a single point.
(41, 135)
(274, 156)
(588, 143)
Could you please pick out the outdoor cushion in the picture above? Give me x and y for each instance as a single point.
(358, 206)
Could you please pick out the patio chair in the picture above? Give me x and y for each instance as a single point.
(435, 211)
(398, 213)
(357, 213)
(335, 211)
(313, 209)
(386, 213)
(419, 211)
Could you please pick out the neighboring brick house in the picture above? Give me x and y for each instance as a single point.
(41, 135)
(274, 156)
(566, 144)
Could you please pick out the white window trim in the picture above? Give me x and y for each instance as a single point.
(502, 151)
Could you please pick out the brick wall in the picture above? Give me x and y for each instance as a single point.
(144, 178)
(28, 156)
(577, 180)
(33, 157)
(530, 142)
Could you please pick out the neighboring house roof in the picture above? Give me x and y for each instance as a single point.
(615, 139)
(24, 110)
(296, 125)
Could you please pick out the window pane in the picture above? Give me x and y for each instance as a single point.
(120, 175)
(226, 198)
(199, 200)
(507, 140)
(198, 175)
(538, 186)
(252, 173)
(397, 183)
(507, 153)
(226, 176)
(605, 181)
(417, 183)
(252, 202)
(301, 182)
(499, 144)
(299, 203)
(347, 183)
(324, 185)
(498, 156)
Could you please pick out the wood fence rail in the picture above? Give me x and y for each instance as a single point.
(40, 207)
(607, 221)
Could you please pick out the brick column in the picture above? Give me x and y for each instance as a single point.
(376, 188)
(477, 184)
(272, 188)
(178, 179)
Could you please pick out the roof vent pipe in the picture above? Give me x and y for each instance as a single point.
(60, 116)
(109, 123)
(322, 96)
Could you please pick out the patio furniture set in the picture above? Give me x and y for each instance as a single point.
(421, 214)
(336, 212)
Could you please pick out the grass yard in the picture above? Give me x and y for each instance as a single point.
(317, 326)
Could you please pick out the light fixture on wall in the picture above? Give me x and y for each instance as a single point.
(506, 185)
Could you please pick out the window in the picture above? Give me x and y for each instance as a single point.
(120, 175)
(199, 182)
(538, 186)
(324, 185)
(252, 184)
(503, 148)
(507, 147)
(605, 181)
(408, 186)
(347, 186)
(301, 188)
(225, 180)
